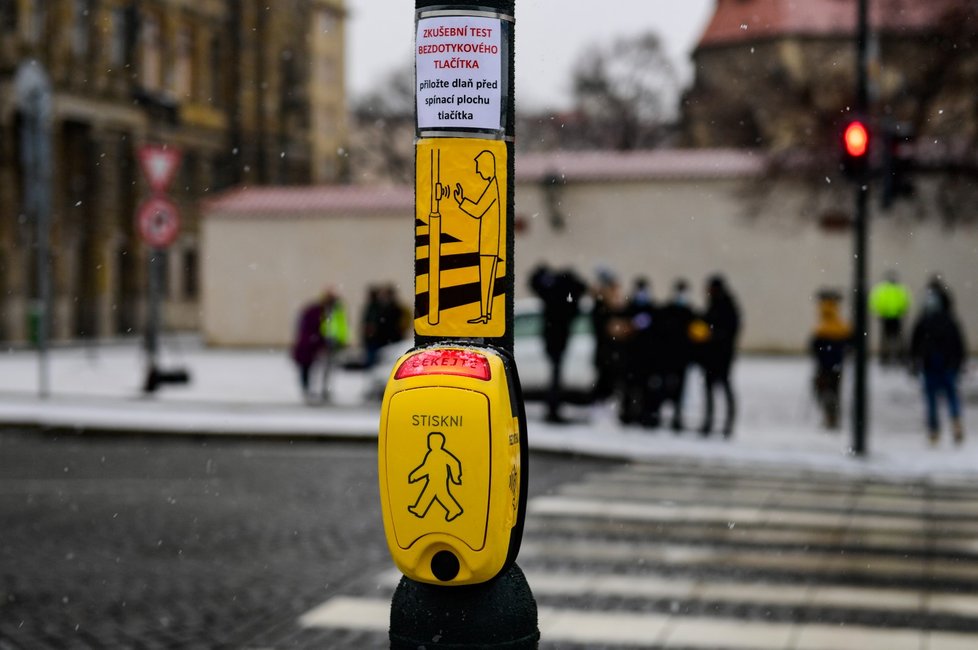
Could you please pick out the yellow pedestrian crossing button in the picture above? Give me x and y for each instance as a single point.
(450, 466)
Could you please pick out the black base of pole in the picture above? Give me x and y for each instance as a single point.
(155, 377)
(497, 614)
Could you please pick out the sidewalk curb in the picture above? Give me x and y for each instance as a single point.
(286, 425)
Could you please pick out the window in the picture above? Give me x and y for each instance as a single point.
(8, 17)
(161, 260)
(118, 37)
(217, 79)
(151, 55)
(184, 65)
(188, 173)
(325, 71)
(80, 25)
(191, 277)
(326, 21)
(38, 18)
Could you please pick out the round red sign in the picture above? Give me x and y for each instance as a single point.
(158, 220)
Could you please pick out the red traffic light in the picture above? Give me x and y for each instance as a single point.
(856, 139)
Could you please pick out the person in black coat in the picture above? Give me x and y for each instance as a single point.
(675, 318)
(642, 378)
(561, 292)
(606, 311)
(937, 352)
(722, 316)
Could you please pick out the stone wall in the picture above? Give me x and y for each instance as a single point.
(776, 253)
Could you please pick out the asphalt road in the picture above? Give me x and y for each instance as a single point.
(187, 542)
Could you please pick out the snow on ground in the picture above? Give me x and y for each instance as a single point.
(256, 392)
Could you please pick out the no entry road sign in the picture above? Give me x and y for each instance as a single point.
(158, 221)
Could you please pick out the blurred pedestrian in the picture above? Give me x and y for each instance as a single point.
(307, 342)
(383, 321)
(642, 379)
(561, 292)
(335, 335)
(829, 342)
(722, 316)
(939, 286)
(394, 317)
(890, 302)
(675, 318)
(937, 352)
(608, 305)
(370, 327)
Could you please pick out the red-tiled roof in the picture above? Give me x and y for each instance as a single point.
(569, 166)
(739, 21)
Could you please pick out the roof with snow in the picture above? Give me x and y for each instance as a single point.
(568, 166)
(655, 164)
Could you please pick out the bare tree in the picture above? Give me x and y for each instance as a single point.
(625, 92)
(383, 129)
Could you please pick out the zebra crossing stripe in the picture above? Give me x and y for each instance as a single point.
(801, 561)
(643, 629)
(640, 511)
(564, 584)
(565, 506)
(349, 613)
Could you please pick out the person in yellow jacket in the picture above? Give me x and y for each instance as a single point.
(829, 342)
(890, 302)
(335, 334)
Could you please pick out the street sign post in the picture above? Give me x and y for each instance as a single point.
(158, 224)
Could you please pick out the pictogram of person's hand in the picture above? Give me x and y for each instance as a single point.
(459, 195)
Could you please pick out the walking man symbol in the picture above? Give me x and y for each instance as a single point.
(439, 469)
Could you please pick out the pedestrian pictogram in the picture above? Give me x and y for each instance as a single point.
(159, 164)
(440, 469)
(159, 222)
(460, 283)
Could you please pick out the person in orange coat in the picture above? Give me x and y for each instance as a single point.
(829, 342)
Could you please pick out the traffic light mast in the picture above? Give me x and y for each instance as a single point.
(856, 142)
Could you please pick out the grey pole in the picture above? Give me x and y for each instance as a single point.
(154, 269)
(33, 94)
(861, 236)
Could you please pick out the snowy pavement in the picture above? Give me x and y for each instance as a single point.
(255, 392)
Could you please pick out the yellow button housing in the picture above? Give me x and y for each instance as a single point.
(449, 463)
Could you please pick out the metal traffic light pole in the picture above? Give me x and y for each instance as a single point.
(860, 250)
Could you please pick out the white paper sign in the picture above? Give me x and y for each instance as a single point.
(459, 72)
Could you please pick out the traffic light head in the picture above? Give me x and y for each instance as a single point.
(856, 139)
(855, 149)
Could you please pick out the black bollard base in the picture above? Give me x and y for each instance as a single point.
(497, 614)
(157, 377)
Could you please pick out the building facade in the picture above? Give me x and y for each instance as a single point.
(781, 74)
(249, 94)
